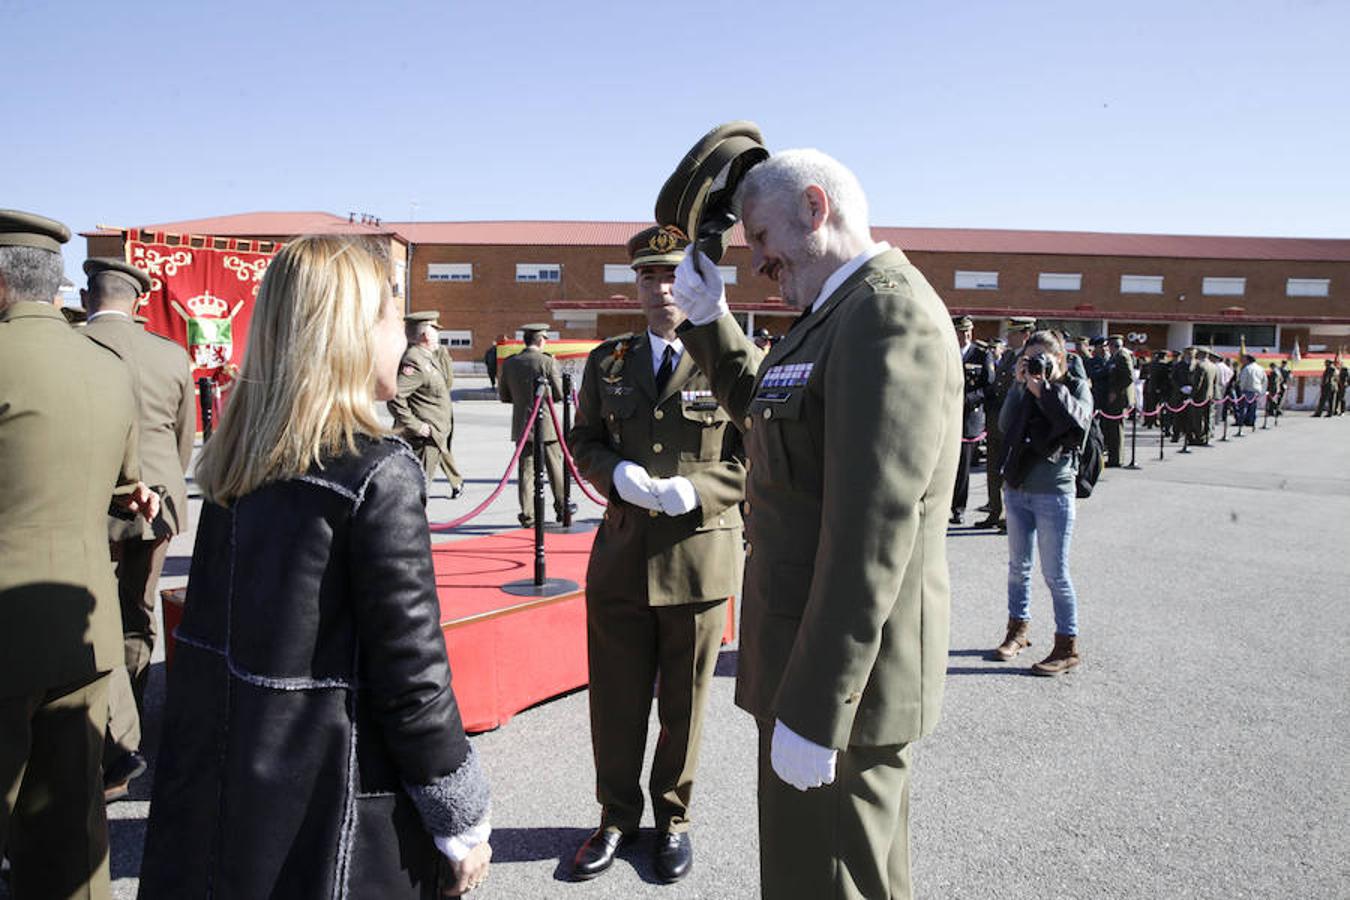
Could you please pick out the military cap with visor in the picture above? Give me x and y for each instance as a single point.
(962, 323)
(428, 317)
(533, 328)
(1021, 323)
(699, 197)
(660, 245)
(25, 229)
(123, 271)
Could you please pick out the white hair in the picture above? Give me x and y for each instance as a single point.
(788, 173)
(29, 273)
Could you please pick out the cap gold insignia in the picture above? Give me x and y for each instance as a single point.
(666, 239)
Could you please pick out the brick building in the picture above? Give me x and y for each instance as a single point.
(487, 278)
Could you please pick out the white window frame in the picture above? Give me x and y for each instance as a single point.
(546, 273)
(728, 274)
(456, 339)
(619, 273)
(449, 271)
(964, 280)
(1060, 281)
(1141, 284)
(1223, 287)
(1307, 287)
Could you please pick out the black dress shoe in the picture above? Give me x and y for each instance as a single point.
(989, 522)
(984, 508)
(525, 521)
(674, 856)
(456, 493)
(957, 518)
(597, 853)
(117, 777)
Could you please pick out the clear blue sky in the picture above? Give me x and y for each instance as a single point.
(1186, 116)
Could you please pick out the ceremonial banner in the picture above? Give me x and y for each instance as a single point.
(201, 294)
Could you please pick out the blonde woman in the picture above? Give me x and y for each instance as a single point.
(312, 745)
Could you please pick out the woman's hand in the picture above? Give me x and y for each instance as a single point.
(469, 872)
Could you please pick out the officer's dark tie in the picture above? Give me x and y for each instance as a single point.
(667, 368)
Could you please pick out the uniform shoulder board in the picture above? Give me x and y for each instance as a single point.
(882, 281)
(626, 336)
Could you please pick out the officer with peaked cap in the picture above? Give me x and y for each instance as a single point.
(1118, 379)
(1005, 373)
(650, 435)
(68, 442)
(161, 378)
(852, 432)
(422, 410)
(516, 385)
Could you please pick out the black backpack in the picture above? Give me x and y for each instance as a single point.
(1091, 461)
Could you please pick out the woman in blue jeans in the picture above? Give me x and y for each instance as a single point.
(1045, 419)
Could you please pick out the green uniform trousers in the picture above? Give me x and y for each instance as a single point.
(52, 821)
(848, 840)
(139, 565)
(553, 462)
(992, 475)
(631, 646)
(432, 459)
(1113, 433)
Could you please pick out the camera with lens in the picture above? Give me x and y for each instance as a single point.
(1036, 366)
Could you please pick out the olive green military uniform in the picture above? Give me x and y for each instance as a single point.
(1274, 390)
(161, 378)
(1326, 394)
(1205, 384)
(425, 379)
(67, 438)
(1120, 399)
(656, 586)
(852, 460)
(516, 385)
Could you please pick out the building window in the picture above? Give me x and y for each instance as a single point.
(450, 272)
(1307, 287)
(620, 274)
(728, 274)
(1231, 334)
(1224, 287)
(457, 340)
(1060, 281)
(1141, 284)
(976, 281)
(539, 272)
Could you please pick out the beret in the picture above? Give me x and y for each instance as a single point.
(133, 275)
(25, 229)
(659, 245)
(699, 197)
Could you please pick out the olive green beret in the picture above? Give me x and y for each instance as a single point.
(699, 197)
(660, 245)
(24, 229)
(427, 316)
(136, 277)
(961, 323)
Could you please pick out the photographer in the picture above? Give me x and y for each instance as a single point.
(1045, 418)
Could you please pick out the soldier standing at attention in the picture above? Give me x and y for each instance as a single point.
(422, 411)
(1155, 390)
(1274, 390)
(1004, 374)
(1326, 394)
(651, 435)
(68, 442)
(516, 385)
(1181, 388)
(979, 373)
(1342, 381)
(161, 379)
(1206, 391)
(1119, 387)
(853, 428)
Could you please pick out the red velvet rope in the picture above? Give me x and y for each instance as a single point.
(567, 455)
(506, 476)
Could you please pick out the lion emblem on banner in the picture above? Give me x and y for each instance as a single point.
(209, 329)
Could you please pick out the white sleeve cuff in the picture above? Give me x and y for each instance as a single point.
(457, 847)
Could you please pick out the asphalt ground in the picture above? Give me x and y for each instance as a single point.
(1198, 752)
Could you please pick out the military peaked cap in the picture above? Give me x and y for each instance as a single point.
(124, 271)
(25, 229)
(1021, 323)
(961, 323)
(430, 316)
(1118, 338)
(533, 328)
(660, 245)
(699, 197)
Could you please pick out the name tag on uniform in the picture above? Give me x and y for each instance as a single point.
(780, 381)
(698, 400)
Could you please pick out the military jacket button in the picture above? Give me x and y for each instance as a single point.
(653, 513)
(657, 448)
(749, 548)
(658, 415)
(748, 423)
(768, 413)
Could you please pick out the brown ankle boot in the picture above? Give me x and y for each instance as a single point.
(1018, 639)
(1061, 659)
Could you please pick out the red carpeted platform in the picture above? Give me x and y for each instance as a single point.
(506, 653)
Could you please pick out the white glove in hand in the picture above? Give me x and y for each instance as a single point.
(801, 763)
(677, 495)
(702, 297)
(635, 485)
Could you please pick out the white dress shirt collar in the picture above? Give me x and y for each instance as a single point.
(659, 345)
(842, 273)
(110, 312)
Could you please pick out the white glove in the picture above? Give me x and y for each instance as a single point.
(635, 485)
(801, 763)
(677, 495)
(702, 297)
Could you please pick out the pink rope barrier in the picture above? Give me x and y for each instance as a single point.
(567, 455)
(976, 439)
(441, 527)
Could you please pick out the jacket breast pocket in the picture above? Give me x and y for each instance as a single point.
(705, 424)
(780, 427)
(617, 409)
